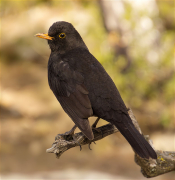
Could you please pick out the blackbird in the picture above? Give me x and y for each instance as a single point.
(84, 88)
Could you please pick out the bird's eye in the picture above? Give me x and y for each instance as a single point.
(62, 35)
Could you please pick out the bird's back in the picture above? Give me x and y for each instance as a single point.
(103, 94)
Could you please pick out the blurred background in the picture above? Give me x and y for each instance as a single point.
(134, 41)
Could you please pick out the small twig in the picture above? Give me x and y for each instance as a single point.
(149, 168)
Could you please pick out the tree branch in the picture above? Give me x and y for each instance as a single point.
(149, 168)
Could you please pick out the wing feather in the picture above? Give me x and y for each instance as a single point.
(68, 86)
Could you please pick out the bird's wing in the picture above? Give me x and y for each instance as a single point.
(68, 86)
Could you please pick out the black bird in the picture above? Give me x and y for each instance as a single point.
(84, 89)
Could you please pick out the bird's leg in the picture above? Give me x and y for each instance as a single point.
(94, 126)
(71, 132)
(69, 135)
(95, 123)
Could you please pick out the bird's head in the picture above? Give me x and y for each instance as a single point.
(62, 37)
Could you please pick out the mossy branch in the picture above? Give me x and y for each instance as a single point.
(149, 168)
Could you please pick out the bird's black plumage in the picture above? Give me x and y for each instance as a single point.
(84, 89)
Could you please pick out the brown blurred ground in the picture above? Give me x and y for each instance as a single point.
(30, 114)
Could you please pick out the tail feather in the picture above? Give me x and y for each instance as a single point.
(135, 139)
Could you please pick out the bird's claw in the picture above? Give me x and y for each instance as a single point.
(89, 145)
(79, 145)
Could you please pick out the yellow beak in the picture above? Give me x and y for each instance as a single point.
(44, 36)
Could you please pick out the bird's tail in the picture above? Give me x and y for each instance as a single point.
(135, 139)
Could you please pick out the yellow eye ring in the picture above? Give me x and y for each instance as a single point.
(62, 35)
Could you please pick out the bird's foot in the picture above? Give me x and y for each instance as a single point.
(98, 131)
(77, 143)
(94, 126)
(68, 136)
